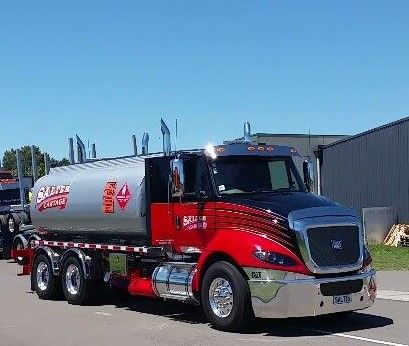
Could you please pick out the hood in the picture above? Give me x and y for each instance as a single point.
(281, 203)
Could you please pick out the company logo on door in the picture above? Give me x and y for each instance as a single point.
(52, 197)
(194, 222)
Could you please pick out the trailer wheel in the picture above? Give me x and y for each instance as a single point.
(226, 297)
(46, 284)
(13, 223)
(77, 290)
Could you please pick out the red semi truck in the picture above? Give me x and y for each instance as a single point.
(232, 228)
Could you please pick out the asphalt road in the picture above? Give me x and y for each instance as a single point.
(124, 320)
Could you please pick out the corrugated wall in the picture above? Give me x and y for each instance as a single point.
(371, 170)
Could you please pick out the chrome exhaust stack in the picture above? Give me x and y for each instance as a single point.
(135, 146)
(145, 143)
(71, 150)
(81, 152)
(247, 132)
(94, 151)
(165, 138)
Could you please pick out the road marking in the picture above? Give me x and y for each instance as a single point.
(280, 340)
(374, 341)
(102, 313)
(7, 327)
(393, 295)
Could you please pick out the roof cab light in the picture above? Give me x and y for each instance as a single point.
(275, 258)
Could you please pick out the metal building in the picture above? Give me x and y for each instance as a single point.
(370, 169)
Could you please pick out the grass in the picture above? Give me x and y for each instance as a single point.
(389, 257)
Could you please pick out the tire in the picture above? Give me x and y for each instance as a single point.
(24, 218)
(77, 290)
(237, 311)
(6, 252)
(18, 245)
(13, 224)
(3, 222)
(5, 235)
(45, 283)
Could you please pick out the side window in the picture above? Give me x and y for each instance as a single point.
(190, 176)
(160, 170)
(203, 182)
(278, 174)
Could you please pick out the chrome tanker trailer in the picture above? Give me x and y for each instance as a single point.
(232, 227)
(104, 199)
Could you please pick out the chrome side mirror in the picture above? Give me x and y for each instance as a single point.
(308, 171)
(177, 178)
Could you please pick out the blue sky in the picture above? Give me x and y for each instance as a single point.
(110, 69)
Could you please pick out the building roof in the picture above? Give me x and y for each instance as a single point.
(296, 135)
(380, 128)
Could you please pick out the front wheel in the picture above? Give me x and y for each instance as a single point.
(226, 297)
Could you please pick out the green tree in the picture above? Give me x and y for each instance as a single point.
(10, 161)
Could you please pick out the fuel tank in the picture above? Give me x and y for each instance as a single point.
(104, 197)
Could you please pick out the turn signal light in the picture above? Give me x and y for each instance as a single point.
(275, 258)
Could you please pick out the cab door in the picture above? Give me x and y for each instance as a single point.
(194, 212)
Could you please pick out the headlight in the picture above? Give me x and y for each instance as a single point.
(275, 258)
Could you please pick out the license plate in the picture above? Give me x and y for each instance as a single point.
(344, 299)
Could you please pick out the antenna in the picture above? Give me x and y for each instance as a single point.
(309, 138)
(176, 136)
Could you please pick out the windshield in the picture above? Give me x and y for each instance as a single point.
(244, 174)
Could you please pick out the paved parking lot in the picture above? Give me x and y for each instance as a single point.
(123, 320)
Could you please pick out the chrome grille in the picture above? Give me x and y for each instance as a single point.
(334, 246)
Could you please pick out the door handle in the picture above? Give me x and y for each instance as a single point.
(177, 222)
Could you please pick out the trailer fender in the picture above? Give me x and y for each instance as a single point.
(52, 255)
(85, 260)
(33, 237)
(23, 240)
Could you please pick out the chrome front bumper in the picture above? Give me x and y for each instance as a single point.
(280, 294)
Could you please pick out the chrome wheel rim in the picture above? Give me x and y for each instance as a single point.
(11, 224)
(43, 276)
(221, 297)
(72, 279)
